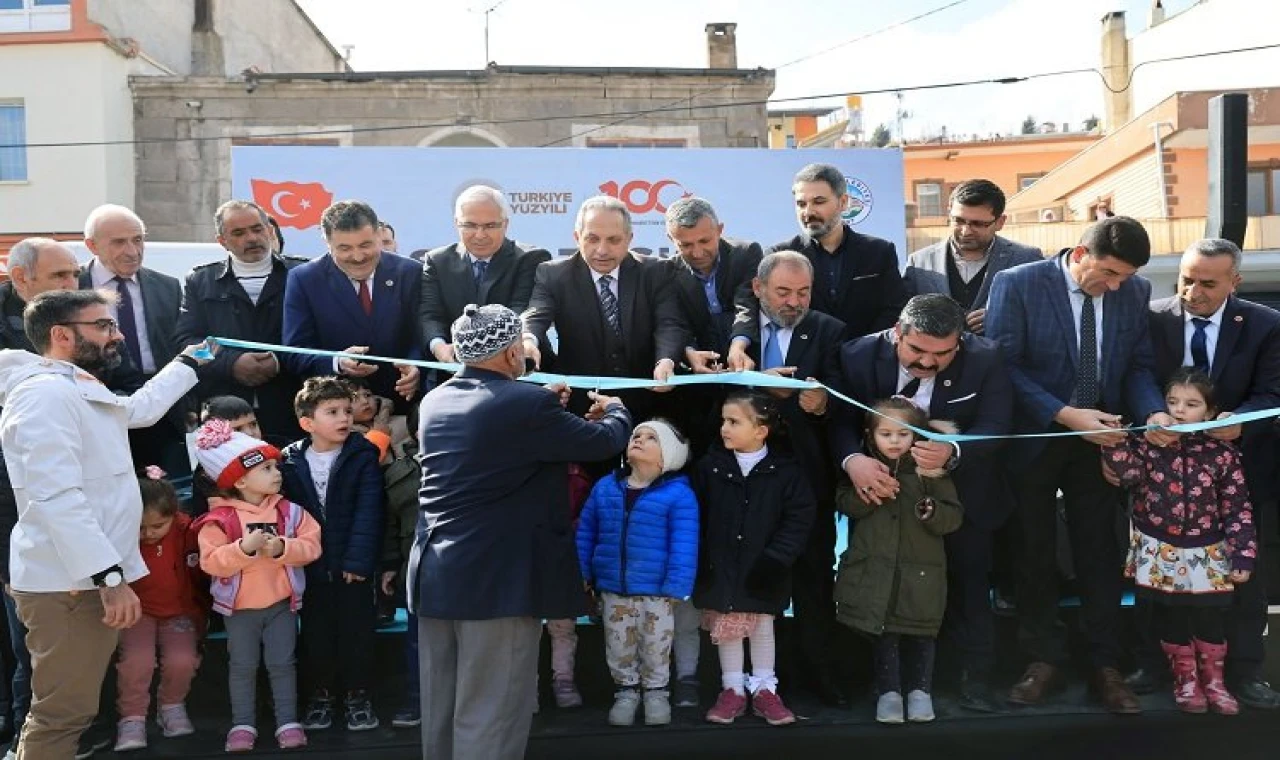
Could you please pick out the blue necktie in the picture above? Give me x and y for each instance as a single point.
(772, 356)
(1200, 345)
(478, 268)
(609, 304)
(1087, 392)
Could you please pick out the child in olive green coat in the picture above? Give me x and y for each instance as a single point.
(892, 583)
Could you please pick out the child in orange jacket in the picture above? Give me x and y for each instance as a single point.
(255, 543)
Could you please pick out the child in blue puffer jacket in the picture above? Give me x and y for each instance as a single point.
(638, 546)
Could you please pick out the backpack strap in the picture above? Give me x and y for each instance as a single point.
(225, 518)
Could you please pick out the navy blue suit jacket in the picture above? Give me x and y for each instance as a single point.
(1245, 369)
(322, 310)
(1029, 315)
(973, 392)
(495, 537)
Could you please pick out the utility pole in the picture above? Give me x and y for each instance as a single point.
(486, 12)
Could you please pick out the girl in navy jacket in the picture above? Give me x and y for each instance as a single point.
(638, 547)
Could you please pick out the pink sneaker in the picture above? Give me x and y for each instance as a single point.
(131, 734)
(729, 705)
(241, 739)
(768, 705)
(291, 736)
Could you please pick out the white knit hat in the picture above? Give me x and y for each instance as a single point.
(675, 451)
(226, 455)
(482, 332)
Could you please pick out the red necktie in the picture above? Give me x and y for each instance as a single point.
(366, 300)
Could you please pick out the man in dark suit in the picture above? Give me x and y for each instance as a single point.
(613, 311)
(494, 551)
(804, 343)
(1237, 343)
(483, 267)
(963, 265)
(147, 313)
(711, 279)
(855, 276)
(357, 300)
(242, 297)
(961, 378)
(1074, 333)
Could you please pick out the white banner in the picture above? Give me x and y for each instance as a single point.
(414, 189)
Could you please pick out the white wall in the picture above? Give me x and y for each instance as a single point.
(73, 92)
(1208, 26)
(161, 27)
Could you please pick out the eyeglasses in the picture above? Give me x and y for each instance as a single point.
(487, 226)
(973, 224)
(106, 324)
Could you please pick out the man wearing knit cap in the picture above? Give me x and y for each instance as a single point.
(494, 553)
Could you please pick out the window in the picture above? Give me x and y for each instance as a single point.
(13, 132)
(1027, 180)
(791, 141)
(1263, 186)
(929, 198)
(35, 15)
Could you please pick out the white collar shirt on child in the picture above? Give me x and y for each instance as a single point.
(746, 462)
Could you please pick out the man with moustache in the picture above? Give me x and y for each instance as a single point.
(963, 265)
(483, 267)
(75, 547)
(242, 297)
(855, 276)
(954, 375)
(612, 310)
(797, 341)
(1237, 344)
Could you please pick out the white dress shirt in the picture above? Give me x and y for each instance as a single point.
(613, 286)
(103, 279)
(1210, 334)
(924, 394)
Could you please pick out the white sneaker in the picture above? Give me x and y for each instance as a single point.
(657, 708)
(919, 707)
(625, 703)
(889, 708)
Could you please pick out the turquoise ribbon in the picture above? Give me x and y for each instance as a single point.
(753, 379)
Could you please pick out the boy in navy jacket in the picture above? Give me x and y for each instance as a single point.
(335, 476)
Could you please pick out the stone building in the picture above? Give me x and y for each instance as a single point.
(187, 124)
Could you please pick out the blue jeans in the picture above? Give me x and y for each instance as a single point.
(22, 668)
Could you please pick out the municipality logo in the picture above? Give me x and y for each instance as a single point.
(860, 201)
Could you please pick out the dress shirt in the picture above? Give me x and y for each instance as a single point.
(103, 278)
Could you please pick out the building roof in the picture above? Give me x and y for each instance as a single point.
(493, 68)
(803, 111)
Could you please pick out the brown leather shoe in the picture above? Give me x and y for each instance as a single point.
(1109, 687)
(1039, 680)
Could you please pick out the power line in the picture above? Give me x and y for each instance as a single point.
(717, 88)
(678, 106)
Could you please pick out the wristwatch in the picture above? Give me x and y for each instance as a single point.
(191, 362)
(110, 578)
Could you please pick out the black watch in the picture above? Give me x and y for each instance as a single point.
(110, 578)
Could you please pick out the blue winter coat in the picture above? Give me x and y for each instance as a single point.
(650, 550)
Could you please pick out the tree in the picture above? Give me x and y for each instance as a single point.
(1091, 123)
(880, 137)
(1029, 126)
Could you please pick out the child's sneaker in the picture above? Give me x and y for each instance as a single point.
(686, 692)
(566, 693)
(360, 715)
(766, 704)
(657, 708)
(919, 706)
(409, 716)
(889, 708)
(625, 703)
(291, 736)
(729, 706)
(175, 722)
(241, 739)
(319, 712)
(131, 734)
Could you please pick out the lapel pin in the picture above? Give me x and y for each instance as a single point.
(946, 383)
(1239, 318)
(390, 283)
(804, 337)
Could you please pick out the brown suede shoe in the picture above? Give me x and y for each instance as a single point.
(1109, 687)
(1039, 680)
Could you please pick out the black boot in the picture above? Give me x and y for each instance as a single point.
(975, 692)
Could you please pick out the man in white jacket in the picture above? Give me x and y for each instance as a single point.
(75, 548)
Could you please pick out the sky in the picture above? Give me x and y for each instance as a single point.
(974, 39)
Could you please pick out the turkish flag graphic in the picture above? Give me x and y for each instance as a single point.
(293, 204)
